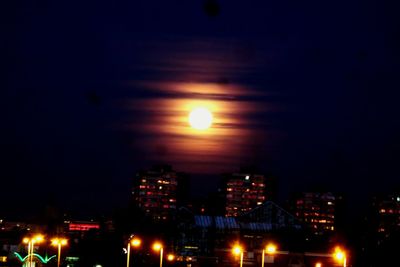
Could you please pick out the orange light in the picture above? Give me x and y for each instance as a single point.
(157, 246)
(136, 242)
(38, 238)
(171, 257)
(270, 249)
(26, 240)
(318, 264)
(237, 250)
(339, 254)
(59, 241)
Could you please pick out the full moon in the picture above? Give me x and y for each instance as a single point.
(200, 118)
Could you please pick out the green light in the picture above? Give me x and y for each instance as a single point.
(43, 260)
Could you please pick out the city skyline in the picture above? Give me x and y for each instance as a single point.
(90, 101)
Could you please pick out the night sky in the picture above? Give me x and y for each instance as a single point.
(92, 91)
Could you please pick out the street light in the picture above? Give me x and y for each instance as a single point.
(157, 246)
(238, 250)
(270, 249)
(318, 264)
(171, 257)
(58, 242)
(31, 243)
(134, 242)
(340, 256)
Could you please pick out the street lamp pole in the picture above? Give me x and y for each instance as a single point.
(59, 255)
(161, 256)
(135, 242)
(58, 242)
(29, 253)
(238, 251)
(262, 258)
(157, 246)
(128, 254)
(31, 245)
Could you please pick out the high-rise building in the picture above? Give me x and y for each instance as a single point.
(158, 190)
(317, 210)
(244, 191)
(387, 213)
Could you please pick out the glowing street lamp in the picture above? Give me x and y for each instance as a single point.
(340, 256)
(31, 242)
(157, 246)
(58, 242)
(237, 250)
(134, 242)
(270, 249)
(171, 257)
(318, 264)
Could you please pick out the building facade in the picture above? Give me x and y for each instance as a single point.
(157, 191)
(244, 191)
(316, 210)
(387, 214)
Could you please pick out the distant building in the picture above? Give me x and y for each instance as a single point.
(159, 190)
(317, 210)
(206, 237)
(387, 214)
(243, 192)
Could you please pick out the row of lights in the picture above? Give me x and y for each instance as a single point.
(157, 246)
(37, 239)
(339, 254)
